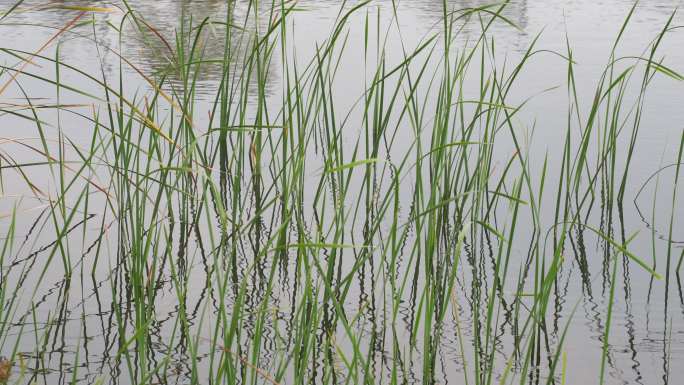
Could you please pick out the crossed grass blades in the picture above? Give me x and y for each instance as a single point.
(261, 219)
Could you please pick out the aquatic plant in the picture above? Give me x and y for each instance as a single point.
(267, 233)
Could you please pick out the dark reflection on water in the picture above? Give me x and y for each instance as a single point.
(84, 325)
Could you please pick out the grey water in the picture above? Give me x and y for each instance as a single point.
(72, 320)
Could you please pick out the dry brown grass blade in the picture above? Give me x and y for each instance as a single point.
(28, 210)
(52, 159)
(154, 85)
(5, 369)
(159, 35)
(41, 49)
(86, 9)
(264, 374)
(22, 107)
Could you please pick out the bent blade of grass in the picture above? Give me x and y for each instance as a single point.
(65, 28)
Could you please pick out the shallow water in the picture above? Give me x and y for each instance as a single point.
(67, 327)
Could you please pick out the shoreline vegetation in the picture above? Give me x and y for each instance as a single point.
(264, 233)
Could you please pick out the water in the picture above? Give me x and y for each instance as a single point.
(69, 326)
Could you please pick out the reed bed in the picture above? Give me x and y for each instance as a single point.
(267, 234)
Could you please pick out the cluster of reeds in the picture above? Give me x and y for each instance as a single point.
(276, 237)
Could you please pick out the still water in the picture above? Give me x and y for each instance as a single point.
(66, 328)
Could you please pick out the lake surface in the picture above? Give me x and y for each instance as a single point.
(81, 327)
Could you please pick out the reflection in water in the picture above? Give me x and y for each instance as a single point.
(166, 42)
(430, 12)
(86, 326)
(160, 39)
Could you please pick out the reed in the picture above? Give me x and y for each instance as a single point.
(268, 234)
